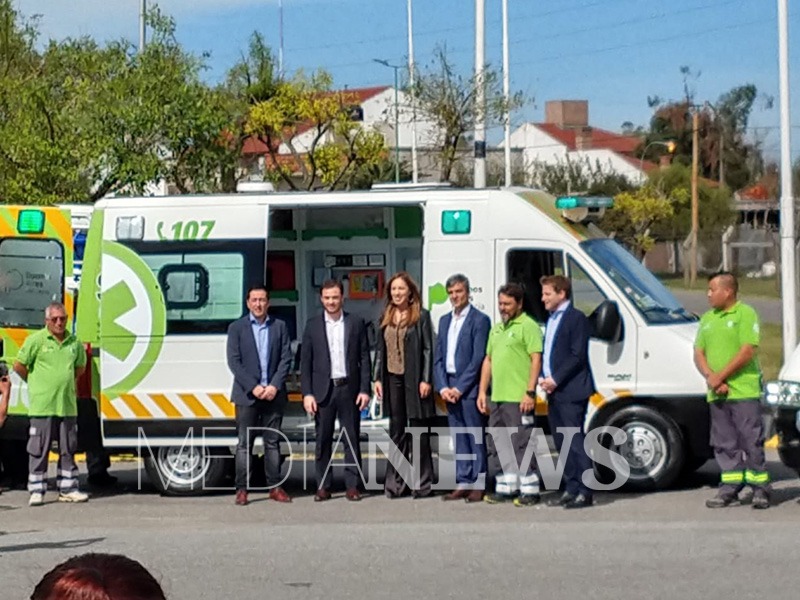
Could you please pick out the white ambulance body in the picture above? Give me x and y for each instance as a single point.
(163, 278)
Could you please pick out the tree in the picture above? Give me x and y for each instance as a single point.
(447, 98)
(577, 177)
(316, 125)
(635, 213)
(81, 120)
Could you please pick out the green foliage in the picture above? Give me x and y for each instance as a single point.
(577, 177)
(636, 212)
(82, 120)
(326, 146)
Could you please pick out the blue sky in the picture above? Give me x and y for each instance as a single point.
(613, 53)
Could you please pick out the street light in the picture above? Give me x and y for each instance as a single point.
(670, 146)
(396, 68)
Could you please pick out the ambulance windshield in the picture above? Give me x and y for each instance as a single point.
(645, 291)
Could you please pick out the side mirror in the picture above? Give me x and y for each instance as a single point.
(606, 322)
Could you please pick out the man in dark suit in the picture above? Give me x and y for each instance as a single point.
(335, 381)
(460, 350)
(567, 379)
(259, 356)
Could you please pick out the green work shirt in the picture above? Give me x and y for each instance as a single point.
(721, 335)
(510, 347)
(51, 373)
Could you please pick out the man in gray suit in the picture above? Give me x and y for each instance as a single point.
(259, 356)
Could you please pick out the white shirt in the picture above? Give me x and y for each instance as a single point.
(334, 331)
(456, 323)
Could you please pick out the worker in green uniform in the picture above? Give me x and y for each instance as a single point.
(725, 354)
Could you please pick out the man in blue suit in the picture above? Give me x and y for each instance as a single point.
(567, 379)
(460, 349)
(259, 356)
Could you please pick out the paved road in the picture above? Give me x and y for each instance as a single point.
(665, 545)
(769, 309)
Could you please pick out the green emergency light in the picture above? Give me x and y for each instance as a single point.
(456, 222)
(570, 202)
(30, 221)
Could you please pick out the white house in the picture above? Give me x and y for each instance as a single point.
(566, 135)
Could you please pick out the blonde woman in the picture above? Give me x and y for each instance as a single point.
(403, 377)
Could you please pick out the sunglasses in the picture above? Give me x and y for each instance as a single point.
(58, 319)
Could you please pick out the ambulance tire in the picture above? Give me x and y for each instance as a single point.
(654, 449)
(186, 471)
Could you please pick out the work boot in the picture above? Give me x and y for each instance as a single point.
(721, 501)
(527, 500)
(73, 496)
(36, 499)
(760, 499)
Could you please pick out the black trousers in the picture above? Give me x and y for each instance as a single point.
(262, 418)
(342, 404)
(394, 484)
(571, 413)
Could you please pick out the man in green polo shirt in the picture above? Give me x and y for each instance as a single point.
(512, 364)
(50, 360)
(725, 354)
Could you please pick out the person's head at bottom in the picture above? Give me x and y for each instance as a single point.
(98, 577)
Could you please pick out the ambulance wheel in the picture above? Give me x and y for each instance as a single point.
(653, 449)
(185, 470)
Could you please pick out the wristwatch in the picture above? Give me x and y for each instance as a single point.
(531, 394)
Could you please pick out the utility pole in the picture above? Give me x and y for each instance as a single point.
(411, 77)
(695, 207)
(480, 94)
(506, 96)
(788, 267)
(396, 68)
(280, 36)
(142, 25)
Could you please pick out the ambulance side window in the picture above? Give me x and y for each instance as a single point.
(528, 267)
(31, 277)
(586, 296)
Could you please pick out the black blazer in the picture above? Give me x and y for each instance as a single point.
(569, 363)
(419, 368)
(315, 360)
(243, 360)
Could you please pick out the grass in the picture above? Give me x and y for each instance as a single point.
(768, 287)
(770, 353)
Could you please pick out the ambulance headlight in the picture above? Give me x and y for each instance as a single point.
(782, 394)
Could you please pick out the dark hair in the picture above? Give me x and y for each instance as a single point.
(98, 577)
(727, 279)
(257, 288)
(331, 283)
(455, 280)
(414, 301)
(514, 290)
(559, 283)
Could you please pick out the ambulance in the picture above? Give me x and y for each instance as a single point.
(162, 278)
(782, 396)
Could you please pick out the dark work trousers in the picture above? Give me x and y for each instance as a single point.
(393, 484)
(737, 436)
(571, 413)
(511, 474)
(43, 431)
(341, 404)
(465, 413)
(262, 418)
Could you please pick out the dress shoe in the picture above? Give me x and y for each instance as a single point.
(760, 499)
(279, 495)
(722, 500)
(565, 499)
(321, 495)
(580, 501)
(353, 495)
(456, 495)
(102, 480)
(474, 496)
(241, 498)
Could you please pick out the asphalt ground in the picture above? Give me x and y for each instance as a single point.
(658, 545)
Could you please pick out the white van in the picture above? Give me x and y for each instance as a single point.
(783, 396)
(163, 277)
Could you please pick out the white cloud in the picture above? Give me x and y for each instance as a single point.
(111, 19)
